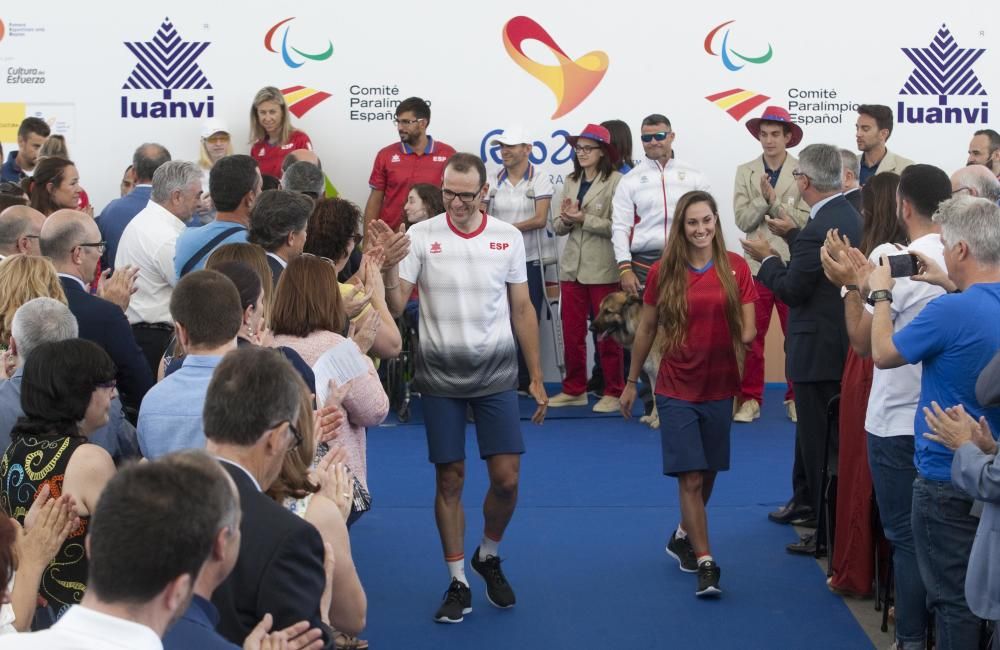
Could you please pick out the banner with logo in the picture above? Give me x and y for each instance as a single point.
(115, 79)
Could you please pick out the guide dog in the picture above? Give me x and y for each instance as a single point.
(619, 318)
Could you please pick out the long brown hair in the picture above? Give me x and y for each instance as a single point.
(878, 209)
(48, 170)
(253, 256)
(672, 303)
(307, 298)
(293, 481)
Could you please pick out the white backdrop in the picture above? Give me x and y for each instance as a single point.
(68, 62)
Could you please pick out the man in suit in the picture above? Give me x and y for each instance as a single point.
(73, 243)
(250, 412)
(278, 224)
(872, 131)
(764, 189)
(20, 226)
(817, 342)
(117, 214)
(851, 188)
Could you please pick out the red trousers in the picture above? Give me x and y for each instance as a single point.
(753, 373)
(577, 303)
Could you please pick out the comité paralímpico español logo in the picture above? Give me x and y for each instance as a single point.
(287, 50)
(167, 63)
(571, 81)
(730, 55)
(943, 69)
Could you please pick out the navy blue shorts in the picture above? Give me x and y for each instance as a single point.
(695, 435)
(498, 426)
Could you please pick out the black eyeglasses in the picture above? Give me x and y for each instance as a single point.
(298, 437)
(584, 149)
(796, 173)
(99, 245)
(659, 136)
(464, 197)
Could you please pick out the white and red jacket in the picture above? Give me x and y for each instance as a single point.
(644, 202)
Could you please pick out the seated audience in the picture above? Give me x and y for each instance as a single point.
(334, 235)
(252, 404)
(71, 240)
(234, 183)
(66, 393)
(207, 316)
(278, 224)
(45, 320)
(20, 228)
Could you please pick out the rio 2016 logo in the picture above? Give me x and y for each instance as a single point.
(287, 50)
(562, 152)
(570, 81)
(728, 54)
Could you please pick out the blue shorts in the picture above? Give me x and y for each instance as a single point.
(498, 426)
(695, 435)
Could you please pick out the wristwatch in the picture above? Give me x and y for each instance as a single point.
(881, 295)
(847, 288)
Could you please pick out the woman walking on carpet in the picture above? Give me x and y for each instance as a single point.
(699, 298)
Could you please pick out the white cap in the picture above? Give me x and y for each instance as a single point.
(212, 126)
(512, 135)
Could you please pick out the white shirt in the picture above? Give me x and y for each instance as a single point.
(814, 210)
(892, 402)
(82, 628)
(276, 257)
(466, 342)
(649, 192)
(514, 202)
(148, 243)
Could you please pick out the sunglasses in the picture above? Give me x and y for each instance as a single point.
(659, 136)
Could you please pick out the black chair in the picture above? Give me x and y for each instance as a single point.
(826, 516)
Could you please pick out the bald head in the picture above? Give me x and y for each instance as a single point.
(300, 155)
(63, 233)
(20, 227)
(978, 181)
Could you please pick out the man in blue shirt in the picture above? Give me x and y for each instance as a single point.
(207, 313)
(234, 184)
(30, 137)
(954, 337)
(117, 214)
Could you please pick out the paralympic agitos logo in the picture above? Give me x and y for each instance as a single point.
(730, 57)
(291, 55)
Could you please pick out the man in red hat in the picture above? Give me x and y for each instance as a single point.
(765, 190)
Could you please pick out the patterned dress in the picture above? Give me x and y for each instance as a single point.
(29, 463)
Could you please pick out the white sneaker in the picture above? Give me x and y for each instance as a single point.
(607, 404)
(747, 412)
(790, 410)
(562, 399)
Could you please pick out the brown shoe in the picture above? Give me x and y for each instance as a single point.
(343, 642)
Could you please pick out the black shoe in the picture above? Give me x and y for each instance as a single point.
(457, 603)
(595, 384)
(807, 546)
(708, 579)
(789, 512)
(808, 521)
(498, 590)
(681, 550)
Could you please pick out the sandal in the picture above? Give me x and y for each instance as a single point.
(343, 642)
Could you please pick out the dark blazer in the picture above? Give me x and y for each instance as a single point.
(854, 198)
(816, 339)
(276, 269)
(105, 324)
(279, 571)
(115, 216)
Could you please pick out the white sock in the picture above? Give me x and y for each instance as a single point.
(681, 533)
(457, 570)
(705, 558)
(488, 547)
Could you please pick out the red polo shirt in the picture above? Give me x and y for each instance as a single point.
(397, 168)
(269, 156)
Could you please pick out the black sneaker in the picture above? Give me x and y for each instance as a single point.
(681, 550)
(708, 579)
(457, 603)
(498, 590)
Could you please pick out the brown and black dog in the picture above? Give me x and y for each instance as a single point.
(619, 319)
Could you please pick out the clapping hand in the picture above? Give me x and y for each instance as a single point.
(328, 419)
(358, 299)
(47, 524)
(294, 637)
(780, 225)
(395, 245)
(953, 427)
(766, 190)
(757, 249)
(334, 480)
(363, 330)
(881, 276)
(570, 211)
(119, 286)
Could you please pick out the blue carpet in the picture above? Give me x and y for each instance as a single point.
(585, 549)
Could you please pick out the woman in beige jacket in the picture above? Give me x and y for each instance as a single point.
(587, 269)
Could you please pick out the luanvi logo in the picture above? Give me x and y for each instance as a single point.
(167, 63)
(943, 69)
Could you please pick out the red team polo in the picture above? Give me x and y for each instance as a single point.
(269, 156)
(397, 168)
(704, 368)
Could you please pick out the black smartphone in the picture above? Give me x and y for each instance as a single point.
(903, 266)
